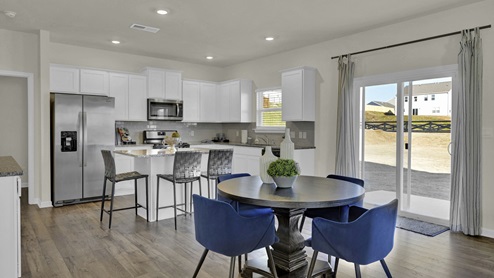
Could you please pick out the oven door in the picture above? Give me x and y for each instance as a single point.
(159, 109)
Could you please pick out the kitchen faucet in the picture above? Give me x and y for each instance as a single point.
(265, 139)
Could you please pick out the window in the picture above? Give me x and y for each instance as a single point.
(414, 98)
(406, 99)
(269, 110)
(433, 97)
(425, 98)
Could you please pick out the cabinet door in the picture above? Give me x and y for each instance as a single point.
(119, 89)
(223, 103)
(64, 80)
(234, 102)
(173, 85)
(137, 98)
(292, 88)
(191, 91)
(94, 82)
(207, 108)
(156, 83)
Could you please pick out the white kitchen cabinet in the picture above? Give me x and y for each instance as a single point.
(207, 103)
(191, 95)
(164, 84)
(119, 89)
(298, 94)
(95, 82)
(64, 79)
(306, 158)
(10, 229)
(234, 102)
(246, 160)
(137, 98)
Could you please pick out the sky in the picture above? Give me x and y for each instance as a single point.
(388, 91)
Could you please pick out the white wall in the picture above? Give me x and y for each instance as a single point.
(265, 73)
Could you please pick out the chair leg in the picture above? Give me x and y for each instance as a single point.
(185, 198)
(190, 200)
(232, 267)
(147, 200)
(209, 189)
(302, 223)
(215, 189)
(312, 264)
(175, 203)
(386, 269)
(240, 264)
(157, 198)
(199, 265)
(111, 203)
(102, 201)
(335, 268)
(135, 193)
(357, 271)
(200, 187)
(272, 266)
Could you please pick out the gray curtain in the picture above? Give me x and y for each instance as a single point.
(466, 171)
(346, 148)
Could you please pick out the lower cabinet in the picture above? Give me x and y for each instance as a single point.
(246, 160)
(10, 229)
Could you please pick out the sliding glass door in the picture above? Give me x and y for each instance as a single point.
(405, 138)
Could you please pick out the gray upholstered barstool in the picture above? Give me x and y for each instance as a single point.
(116, 178)
(186, 169)
(219, 163)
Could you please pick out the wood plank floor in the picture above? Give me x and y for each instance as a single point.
(71, 242)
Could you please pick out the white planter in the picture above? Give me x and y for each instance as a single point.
(284, 182)
(287, 147)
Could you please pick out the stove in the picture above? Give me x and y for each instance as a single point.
(156, 137)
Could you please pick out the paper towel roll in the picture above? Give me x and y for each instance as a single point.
(244, 137)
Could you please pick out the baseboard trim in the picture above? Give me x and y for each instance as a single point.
(45, 204)
(487, 233)
(24, 185)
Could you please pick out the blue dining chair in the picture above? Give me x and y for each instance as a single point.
(221, 229)
(333, 213)
(241, 208)
(367, 237)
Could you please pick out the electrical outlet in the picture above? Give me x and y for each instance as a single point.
(304, 135)
(300, 134)
(236, 133)
(191, 133)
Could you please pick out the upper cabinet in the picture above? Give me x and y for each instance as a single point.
(129, 91)
(119, 89)
(191, 97)
(64, 79)
(207, 103)
(234, 102)
(95, 82)
(164, 84)
(299, 94)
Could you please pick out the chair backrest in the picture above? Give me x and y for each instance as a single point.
(367, 239)
(219, 228)
(109, 163)
(220, 162)
(232, 176)
(187, 164)
(345, 178)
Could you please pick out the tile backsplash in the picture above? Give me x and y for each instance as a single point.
(195, 133)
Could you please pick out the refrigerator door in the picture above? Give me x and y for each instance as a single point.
(67, 147)
(99, 133)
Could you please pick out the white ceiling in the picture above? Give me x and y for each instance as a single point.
(232, 31)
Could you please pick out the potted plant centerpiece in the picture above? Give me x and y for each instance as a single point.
(172, 141)
(284, 172)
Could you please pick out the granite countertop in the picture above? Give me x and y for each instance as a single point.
(157, 152)
(9, 167)
(260, 145)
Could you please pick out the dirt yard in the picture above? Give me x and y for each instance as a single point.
(429, 150)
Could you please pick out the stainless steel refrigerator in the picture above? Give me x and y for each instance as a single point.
(81, 125)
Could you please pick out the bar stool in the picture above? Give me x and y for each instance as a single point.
(116, 178)
(219, 163)
(186, 169)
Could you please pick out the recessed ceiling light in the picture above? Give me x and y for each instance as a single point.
(115, 42)
(209, 57)
(269, 38)
(162, 12)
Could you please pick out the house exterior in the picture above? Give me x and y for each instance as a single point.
(432, 99)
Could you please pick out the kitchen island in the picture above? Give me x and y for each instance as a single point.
(153, 162)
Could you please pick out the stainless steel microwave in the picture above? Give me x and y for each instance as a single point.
(165, 110)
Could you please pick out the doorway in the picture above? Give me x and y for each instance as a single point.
(405, 131)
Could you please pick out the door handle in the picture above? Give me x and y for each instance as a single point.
(79, 138)
(85, 135)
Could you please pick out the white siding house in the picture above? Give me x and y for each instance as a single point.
(429, 99)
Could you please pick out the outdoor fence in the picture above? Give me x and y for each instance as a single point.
(416, 126)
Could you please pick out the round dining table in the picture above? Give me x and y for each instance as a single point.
(289, 205)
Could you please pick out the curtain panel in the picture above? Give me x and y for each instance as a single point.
(346, 148)
(466, 171)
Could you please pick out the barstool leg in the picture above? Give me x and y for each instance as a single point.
(190, 200)
(209, 189)
(175, 203)
(215, 184)
(103, 201)
(147, 203)
(135, 194)
(111, 202)
(200, 187)
(157, 198)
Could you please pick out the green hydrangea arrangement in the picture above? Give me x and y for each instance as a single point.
(283, 168)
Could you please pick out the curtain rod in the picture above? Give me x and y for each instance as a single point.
(410, 42)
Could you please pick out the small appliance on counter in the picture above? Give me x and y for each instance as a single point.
(220, 137)
(125, 139)
(156, 137)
